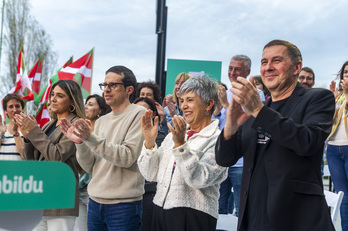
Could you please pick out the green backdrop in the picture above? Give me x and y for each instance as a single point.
(194, 67)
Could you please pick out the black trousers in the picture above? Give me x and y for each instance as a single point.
(181, 219)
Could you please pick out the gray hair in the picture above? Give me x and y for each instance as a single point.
(246, 60)
(206, 88)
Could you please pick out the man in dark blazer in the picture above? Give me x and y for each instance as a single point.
(282, 144)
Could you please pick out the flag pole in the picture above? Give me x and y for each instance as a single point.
(90, 87)
(2, 28)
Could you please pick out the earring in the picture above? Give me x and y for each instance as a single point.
(98, 115)
(72, 108)
(206, 112)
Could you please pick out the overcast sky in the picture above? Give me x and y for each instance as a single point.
(123, 32)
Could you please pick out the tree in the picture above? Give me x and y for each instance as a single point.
(21, 27)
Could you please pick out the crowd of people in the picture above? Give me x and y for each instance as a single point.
(144, 161)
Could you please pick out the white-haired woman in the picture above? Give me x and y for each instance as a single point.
(184, 167)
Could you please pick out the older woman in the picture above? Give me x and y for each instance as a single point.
(11, 142)
(50, 144)
(184, 166)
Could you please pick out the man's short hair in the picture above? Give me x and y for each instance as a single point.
(293, 52)
(128, 78)
(309, 70)
(246, 60)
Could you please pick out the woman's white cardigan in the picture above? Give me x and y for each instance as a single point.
(196, 179)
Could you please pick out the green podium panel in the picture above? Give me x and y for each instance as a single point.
(30, 185)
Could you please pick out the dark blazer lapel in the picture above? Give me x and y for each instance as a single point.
(293, 100)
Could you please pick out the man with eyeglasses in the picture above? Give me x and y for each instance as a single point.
(306, 77)
(111, 153)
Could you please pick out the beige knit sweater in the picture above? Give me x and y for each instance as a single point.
(111, 153)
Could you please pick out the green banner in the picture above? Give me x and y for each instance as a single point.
(193, 67)
(28, 185)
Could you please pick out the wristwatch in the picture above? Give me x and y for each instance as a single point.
(2, 136)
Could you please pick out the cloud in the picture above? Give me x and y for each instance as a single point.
(123, 32)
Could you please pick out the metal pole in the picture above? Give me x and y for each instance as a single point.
(2, 27)
(161, 31)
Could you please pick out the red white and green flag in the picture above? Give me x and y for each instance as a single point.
(42, 97)
(23, 86)
(34, 75)
(71, 59)
(42, 115)
(81, 71)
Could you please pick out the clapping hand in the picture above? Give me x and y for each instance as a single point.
(3, 127)
(247, 96)
(78, 132)
(223, 96)
(169, 102)
(160, 110)
(25, 123)
(179, 130)
(235, 117)
(344, 85)
(149, 130)
(333, 88)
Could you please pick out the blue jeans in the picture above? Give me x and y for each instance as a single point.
(337, 159)
(114, 217)
(233, 180)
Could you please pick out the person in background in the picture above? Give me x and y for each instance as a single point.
(152, 91)
(11, 141)
(150, 187)
(50, 144)
(95, 107)
(110, 152)
(148, 104)
(184, 166)
(261, 86)
(307, 77)
(337, 148)
(240, 66)
(171, 103)
(217, 112)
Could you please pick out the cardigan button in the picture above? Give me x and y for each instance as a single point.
(181, 150)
